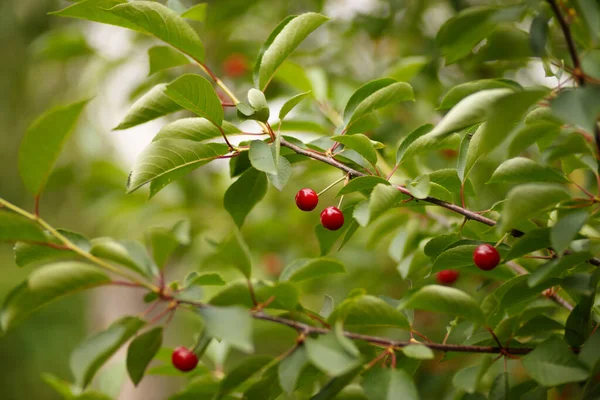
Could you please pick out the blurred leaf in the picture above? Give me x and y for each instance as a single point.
(531, 134)
(389, 384)
(523, 170)
(373, 96)
(197, 129)
(155, 103)
(244, 194)
(29, 253)
(196, 12)
(235, 250)
(164, 57)
(468, 378)
(46, 284)
(261, 157)
(361, 184)
(15, 227)
(196, 94)
(538, 32)
(43, 143)
(407, 68)
(61, 387)
(382, 199)
(445, 300)
(61, 45)
(368, 310)
(359, 143)
(285, 295)
(291, 103)
(231, 324)
(167, 160)
(141, 351)
(128, 253)
(165, 241)
(295, 76)
(500, 388)
(533, 240)
(281, 43)
(241, 373)
(590, 355)
(418, 351)
(580, 106)
(329, 355)
(204, 280)
(290, 367)
(409, 139)
(529, 200)
(159, 21)
(92, 353)
(567, 228)
(552, 363)
(332, 389)
(459, 92)
(311, 268)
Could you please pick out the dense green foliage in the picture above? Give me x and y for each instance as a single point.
(434, 126)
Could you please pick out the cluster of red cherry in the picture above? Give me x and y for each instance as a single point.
(331, 217)
(485, 257)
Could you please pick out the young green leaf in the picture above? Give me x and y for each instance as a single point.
(552, 363)
(128, 253)
(329, 355)
(446, 300)
(362, 184)
(468, 378)
(334, 388)
(420, 187)
(241, 373)
(164, 57)
(141, 351)
(579, 106)
(157, 20)
(459, 92)
(284, 172)
(373, 96)
(204, 280)
(261, 157)
(165, 241)
(524, 170)
(167, 160)
(244, 194)
(196, 94)
(154, 104)
(231, 324)
(414, 135)
(15, 227)
(291, 103)
(43, 143)
(359, 143)
(196, 129)
(93, 352)
(196, 12)
(566, 228)
(368, 310)
(235, 250)
(281, 43)
(46, 284)
(535, 239)
(389, 384)
(290, 368)
(529, 200)
(97, 11)
(382, 199)
(307, 268)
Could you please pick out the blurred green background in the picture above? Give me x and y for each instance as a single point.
(48, 60)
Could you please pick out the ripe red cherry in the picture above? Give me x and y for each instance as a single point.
(184, 359)
(486, 257)
(447, 276)
(307, 199)
(332, 218)
(235, 65)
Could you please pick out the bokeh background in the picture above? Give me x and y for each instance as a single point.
(46, 60)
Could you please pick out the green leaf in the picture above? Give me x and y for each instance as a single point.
(359, 143)
(333, 388)
(389, 384)
(382, 199)
(43, 142)
(167, 160)
(500, 388)
(469, 111)
(291, 103)
(92, 353)
(468, 378)
(409, 139)
(368, 310)
(361, 184)
(164, 57)
(196, 94)
(197, 129)
(373, 96)
(261, 157)
(446, 300)
(159, 21)
(523, 170)
(459, 92)
(285, 295)
(418, 351)
(420, 187)
(236, 252)
(204, 280)
(128, 253)
(241, 373)
(552, 363)
(539, 34)
(407, 68)
(165, 241)
(566, 228)
(284, 172)
(529, 200)
(504, 115)
(155, 103)
(244, 194)
(46, 284)
(589, 354)
(141, 351)
(329, 355)
(538, 325)
(61, 387)
(530, 134)
(458, 256)
(459, 35)
(97, 11)
(15, 227)
(231, 324)
(196, 12)
(311, 268)
(580, 106)
(281, 43)
(535, 239)
(290, 368)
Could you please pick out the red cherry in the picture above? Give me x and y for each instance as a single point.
(235, 65)
(486, 257)
(184, 359)
(332, 218)
(447, 276)
(307, 199)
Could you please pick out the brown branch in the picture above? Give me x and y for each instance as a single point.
(554, 296)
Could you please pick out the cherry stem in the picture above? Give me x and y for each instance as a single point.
(332, 185)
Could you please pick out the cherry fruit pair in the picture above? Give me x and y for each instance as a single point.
(331, 217)
(485, 257)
